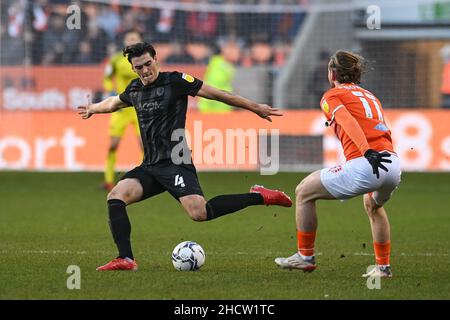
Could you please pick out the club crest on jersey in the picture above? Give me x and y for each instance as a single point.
(325, 106)
(160, 91)
(381, 127)
(187, 77)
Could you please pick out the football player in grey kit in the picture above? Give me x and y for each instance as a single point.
(160, 100)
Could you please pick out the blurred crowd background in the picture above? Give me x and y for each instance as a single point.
(279, 48)
(56, 53)
(35, 32)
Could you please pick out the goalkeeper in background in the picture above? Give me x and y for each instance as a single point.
(118, 75)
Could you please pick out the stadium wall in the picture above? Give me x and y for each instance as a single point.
(60, 140)
(59, 88)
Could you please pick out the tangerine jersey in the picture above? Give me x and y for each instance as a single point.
(357, 118)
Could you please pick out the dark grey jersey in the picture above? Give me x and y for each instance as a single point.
(161, 109)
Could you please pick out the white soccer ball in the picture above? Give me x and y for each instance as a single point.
(188, 256)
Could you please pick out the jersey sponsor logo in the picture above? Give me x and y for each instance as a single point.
(150, 106)
(325, 106)
(179, 181)
(187, 77)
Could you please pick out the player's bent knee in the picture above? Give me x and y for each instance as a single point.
(114, 194)
(197, 212)
(301, 191)
(198, 216)
(298, 189)
(311, 189)
(195, 207)
(127, 191)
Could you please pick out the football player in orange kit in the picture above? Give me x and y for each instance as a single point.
(358, 120)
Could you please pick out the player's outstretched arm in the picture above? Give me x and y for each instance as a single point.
(108, 105)
(262, 110)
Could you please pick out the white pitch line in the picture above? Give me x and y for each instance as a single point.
(63, 252)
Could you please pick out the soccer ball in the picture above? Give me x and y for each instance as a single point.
(188, 256)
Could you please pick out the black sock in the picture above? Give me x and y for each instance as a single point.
(120, 227)
(222, 205)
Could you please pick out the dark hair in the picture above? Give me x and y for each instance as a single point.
(348, 66)
(138, 49)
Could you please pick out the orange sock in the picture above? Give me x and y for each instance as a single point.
(382, 252)
(305, 242)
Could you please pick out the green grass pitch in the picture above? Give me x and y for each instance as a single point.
(49, 221)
